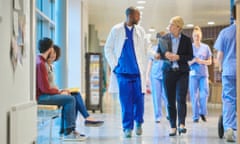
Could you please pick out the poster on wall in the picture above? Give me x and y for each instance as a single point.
(14, 53)
(17, 44)
(1, 11)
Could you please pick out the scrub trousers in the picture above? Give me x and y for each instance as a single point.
(158, 95)
(199, 92)
(229, 100)
(131, 100)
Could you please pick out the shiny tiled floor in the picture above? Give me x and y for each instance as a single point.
(153, 133)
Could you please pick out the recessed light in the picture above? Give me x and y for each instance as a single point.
(189, 25)
(141, 2)
(140, 7)
(211, 23)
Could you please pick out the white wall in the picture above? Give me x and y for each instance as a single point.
(84, 41)
(74, 43)
(77, 37)
(94, 44)
(14, 86)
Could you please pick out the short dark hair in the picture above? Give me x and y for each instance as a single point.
(58, 52)
(44, 44)
(233, 11)
(130, 10)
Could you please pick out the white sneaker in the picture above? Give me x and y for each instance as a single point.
(229, 135)
(138, 129)
(74, 137)
(128, 133)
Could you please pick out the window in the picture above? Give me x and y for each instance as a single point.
(45, 19)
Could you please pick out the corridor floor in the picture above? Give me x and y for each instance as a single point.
(153, 133)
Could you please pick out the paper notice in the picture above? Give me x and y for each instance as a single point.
(15, 23)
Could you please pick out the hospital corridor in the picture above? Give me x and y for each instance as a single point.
(153, 133)
(119, 71)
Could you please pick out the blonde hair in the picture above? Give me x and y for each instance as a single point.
(197, 30)
(178, 21)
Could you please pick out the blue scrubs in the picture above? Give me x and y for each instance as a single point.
(226, 43)
(129, 82)
(198, 82)
(157, 88)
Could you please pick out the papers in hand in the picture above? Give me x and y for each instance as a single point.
(162, 46)
(73, 90)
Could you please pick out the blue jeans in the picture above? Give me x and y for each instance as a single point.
(68, 111)
(80, 107)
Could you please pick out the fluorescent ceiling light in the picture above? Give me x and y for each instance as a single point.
(140, 7)
(189, 25)
(151, 30)
(141, 2)
(211, 23)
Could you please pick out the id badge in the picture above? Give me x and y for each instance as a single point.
(192, 72)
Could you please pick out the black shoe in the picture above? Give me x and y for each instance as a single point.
(167, 118)
(203, 118)
(195, 121)
(157, 121)
(173, 133)
(89, 123)
(61, 131)
(182, 130)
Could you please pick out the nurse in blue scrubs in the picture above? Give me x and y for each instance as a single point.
(154, 72)
(198, 78)
(226, 57)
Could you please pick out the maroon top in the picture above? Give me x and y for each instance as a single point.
(43, 86)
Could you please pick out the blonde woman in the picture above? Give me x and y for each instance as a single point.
(175, 49)
(198, 79)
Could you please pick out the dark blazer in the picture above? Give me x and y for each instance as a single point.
(185, 51)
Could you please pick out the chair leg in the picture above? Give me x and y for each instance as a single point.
(50, 131)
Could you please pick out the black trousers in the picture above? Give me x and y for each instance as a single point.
(176, 86)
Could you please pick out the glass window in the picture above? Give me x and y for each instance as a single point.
(45, 19)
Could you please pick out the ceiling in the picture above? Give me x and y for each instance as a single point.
(156, 13)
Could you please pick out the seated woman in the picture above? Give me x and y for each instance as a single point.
(80, 107)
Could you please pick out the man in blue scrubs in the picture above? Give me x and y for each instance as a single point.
(125, 52)
(226, 56)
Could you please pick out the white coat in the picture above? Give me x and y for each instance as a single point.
(113, 49)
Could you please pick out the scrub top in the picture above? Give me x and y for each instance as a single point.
(156, 70)
(127, 63)
(226, 43)
(203, 52)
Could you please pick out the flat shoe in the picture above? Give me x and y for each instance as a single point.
(93, 123)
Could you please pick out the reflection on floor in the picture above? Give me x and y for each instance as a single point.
(153, 133)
